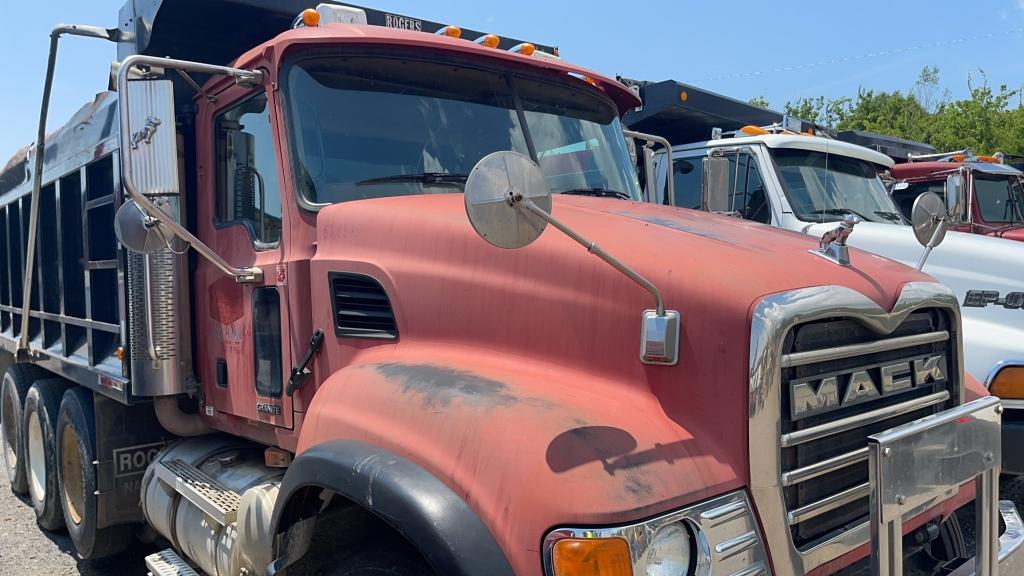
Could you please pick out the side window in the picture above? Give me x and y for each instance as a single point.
(748, 198)
(247, 187)
(905, 197)
(266, 335)
(687, 175)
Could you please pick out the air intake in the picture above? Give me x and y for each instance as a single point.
(361, 307)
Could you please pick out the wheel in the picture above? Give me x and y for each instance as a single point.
(42, 405)
(76, 452)
(379, 559)
(17, 380)
(950, 544)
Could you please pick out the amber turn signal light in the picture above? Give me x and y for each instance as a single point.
(489, 40)
(591, 557)
(1009, 383)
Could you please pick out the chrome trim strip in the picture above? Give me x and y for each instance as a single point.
(772, 317)
(824, 467)
(1013, 404)
(734, 546)
(724, 512)
(758, 570)
(815, 509)
(826, 354)
(858, 420)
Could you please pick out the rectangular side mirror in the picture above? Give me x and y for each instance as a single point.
(153, 136)
(715, 189)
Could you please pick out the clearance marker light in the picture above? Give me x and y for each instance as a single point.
(450, 31)
(489, 40)
(311, 18)
(526, 49)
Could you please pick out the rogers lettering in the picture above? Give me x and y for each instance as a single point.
(829, 392)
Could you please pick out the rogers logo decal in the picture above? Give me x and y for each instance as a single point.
(983, 298)
(393, 21)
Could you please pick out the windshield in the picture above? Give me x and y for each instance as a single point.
(369, 126)
(999, 198)
(824, 189)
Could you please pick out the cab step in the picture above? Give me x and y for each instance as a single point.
(168, 563)
(219, 503)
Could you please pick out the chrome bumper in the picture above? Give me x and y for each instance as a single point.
(1011, 554)
(922, 463)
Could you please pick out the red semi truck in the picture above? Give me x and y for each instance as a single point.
(994, 201)
(242, 308)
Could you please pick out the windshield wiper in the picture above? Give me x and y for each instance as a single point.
(599, 192)
(892, 216)
(428, 178)
(839, 212)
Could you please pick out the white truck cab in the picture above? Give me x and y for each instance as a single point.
(808, 184)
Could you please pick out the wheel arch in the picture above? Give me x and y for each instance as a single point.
(420, 507)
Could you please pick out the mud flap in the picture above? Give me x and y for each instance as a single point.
(127, 438)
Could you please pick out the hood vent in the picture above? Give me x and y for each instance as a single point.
(362, 308)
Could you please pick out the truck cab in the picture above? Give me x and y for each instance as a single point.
(994, 204)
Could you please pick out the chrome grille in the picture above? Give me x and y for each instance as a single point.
(824, 455)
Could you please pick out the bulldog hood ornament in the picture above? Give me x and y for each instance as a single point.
(832, 245)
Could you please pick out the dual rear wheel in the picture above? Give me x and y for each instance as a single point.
(48, 444)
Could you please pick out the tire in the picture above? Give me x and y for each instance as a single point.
(379, 559)
(76, 452)
(950, 544)
(39, 431)
(17, 380)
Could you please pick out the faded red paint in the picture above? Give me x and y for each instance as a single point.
(516, 377)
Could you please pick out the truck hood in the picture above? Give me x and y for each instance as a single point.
(520, 368)
(966, 263)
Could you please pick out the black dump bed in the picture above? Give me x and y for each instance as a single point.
(683, 113)
(896, 148)
(219, 31)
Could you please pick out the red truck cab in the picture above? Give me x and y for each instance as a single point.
(994, 195)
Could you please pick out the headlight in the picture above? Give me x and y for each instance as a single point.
(716, 536)
(670, 552)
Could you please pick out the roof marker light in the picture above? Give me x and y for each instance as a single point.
(526, 49)
(310, 18)
(489, 40)
(754, 131)
(450, 31)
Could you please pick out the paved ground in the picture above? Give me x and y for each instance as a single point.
(25, 549)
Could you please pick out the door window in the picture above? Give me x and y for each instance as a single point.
(247, 185)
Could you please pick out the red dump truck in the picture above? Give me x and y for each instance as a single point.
(285, 301)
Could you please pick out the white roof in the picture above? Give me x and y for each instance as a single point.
(800, 142)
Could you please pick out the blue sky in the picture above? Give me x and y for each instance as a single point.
(779, 50)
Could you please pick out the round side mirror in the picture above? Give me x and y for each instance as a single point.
(954, 194)
(926, 216)
(495, 179)
(138, 232)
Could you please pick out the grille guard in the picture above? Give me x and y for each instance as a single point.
(916, 466)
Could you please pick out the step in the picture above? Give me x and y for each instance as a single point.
(167, 563)
(219, 503)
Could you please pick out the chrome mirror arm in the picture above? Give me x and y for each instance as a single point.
(241, 275)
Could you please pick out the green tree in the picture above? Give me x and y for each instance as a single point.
(760, 101)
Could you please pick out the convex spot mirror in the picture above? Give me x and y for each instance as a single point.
(492, 184)
(954, 195)
(928, 217)
(139, 233)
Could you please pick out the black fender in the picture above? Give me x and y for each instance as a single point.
(439, 523)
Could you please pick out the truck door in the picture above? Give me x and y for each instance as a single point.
(242, 354)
